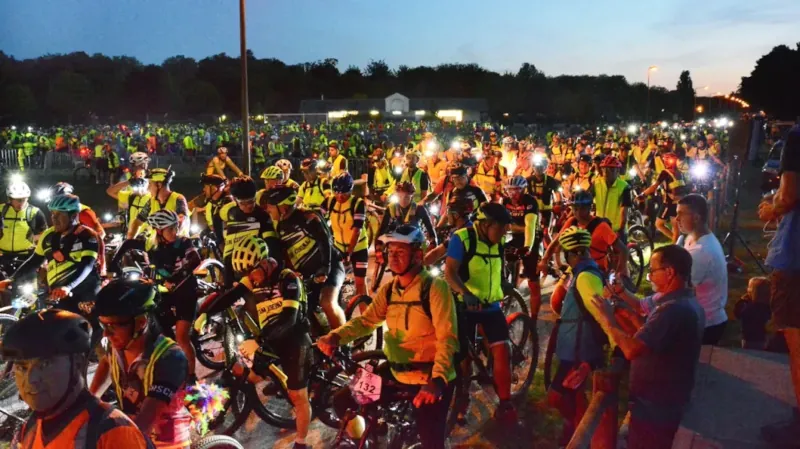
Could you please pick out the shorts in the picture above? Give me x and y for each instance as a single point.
(668, 211)
(295, 359)
(530, 261)
(492, 322)
(785, 298)
(359, 260)
(178, 305)
(564, 368)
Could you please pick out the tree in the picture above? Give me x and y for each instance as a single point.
(772, 85)
(18, 100)
(685, 96)
(70, 95)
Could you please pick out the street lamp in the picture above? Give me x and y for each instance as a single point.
(652, 68)
(696, 107)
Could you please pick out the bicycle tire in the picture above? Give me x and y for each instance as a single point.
(217, 442)
(8, 386)
(643, 239)
(202, 354)
(361, 344)
(325, 414)
(378, 277)
(231, 407)
(519, 353)
(636, 265)
(513, 300)
(550, 351)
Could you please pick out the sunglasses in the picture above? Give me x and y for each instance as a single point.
(112, 328)
(250, 202)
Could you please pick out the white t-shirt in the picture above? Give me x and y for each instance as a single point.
(709, 276)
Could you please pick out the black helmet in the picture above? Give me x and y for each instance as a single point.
(585, 158)
(125, 297)
(494, 212)
(582, 198)
(48, 333)
(212, 180)
(243, 187)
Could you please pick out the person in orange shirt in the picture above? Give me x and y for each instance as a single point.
(49, 350)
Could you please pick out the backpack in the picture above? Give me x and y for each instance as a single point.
(587, 322)
(593, 224)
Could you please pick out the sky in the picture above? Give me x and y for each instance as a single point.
(719, 41)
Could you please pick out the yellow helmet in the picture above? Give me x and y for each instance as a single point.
(247, 253)
(574, 237)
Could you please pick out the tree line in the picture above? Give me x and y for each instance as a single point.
(78, 88)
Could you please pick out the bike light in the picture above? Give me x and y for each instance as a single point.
(435, 271)
(632, 172)
(434, 209)
(239, 338)
(16, 178)
(538, 159)
(432, 146)
(632, 128)
(393, 199)
(107, 217)
(194, 228)
(44, 195)
(27, 289)
(398, 170)
(700, 170)
(320, 163)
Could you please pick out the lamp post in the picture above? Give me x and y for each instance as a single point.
(245, 105)
(652, 68)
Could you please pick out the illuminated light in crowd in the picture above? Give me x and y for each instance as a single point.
(429, 153)
(611, 128)
(632, 128)
(664, 124)
(538, 159)
(194, 228)
(455, 144)
(107, 217)
(432, 145)
(16, 178)
(675, 126)
(563, 176)
(683, 136)
(435, 271)
(28, 289)
(393, 199)
(239, 338)
(632, 172)
(397, 154)
(397, 113)
(30, 128)
(723, 121)
(701, 121)
(321, 163)
(13, 128)
(374, 112)
(398, 170)
(694, 127)
(700, 170)
(44, 195)
(434, 209)
(419, 112)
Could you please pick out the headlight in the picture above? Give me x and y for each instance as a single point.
(632, 128)
(435, 271)
(393, 199)
(107, 217)
(538, 159)
(239, 338)
(432, 146)
(700, 170)
(27, 289)
(632, 172)
(44, 195)
(434, 209)
(320, 163)
(16, 178)
(194, 228)
(398, 170)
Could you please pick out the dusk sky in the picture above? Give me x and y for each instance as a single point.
(719, 41)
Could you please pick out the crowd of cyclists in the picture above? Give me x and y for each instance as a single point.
(460, 218)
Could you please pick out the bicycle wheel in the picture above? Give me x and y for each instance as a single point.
(272, 403)
(217, 442)
(378, 277)
(236, 408)
(82, 174)
(643, 240)
(8, 386)
(513, 301)
(636, 265)
(373, 341)
(209, 346)
(524, 353)
(322, 396)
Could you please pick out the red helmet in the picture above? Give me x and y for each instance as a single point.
(611, 162)
(406, 187)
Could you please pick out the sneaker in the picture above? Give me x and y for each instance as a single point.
(784, 434)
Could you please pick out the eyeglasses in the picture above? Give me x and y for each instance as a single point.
(112, 328)
(250, 202)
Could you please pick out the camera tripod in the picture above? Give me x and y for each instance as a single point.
(735, 264)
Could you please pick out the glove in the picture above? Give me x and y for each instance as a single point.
(248, 348)
(200, 322)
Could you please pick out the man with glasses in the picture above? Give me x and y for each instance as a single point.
(663, 352)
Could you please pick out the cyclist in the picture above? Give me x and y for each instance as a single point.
(220, 162)
(381, 180)
(241, 218)
(336, 160)
(583, 178)
(49, 350)
(21, 224)
(524, 211)
(672, 184)
(286, 167)
(474, 271)
(459, 210)
(489, 174)
(421, 338)
(416, 176)
(216, 197)
(605, 241)
(277, 298)
(612, 196)
(174, 260)
(347, 215)
(307, 247)
(273, 177)
(405, 211)
(545, 189)
(580, 341)
(461, 183)
(314, 190)
(88, 218)
(146, 369)
(162, 197)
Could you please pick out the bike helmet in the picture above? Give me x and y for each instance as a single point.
(412, 155)
(585, 158)
(378, 155)
(456, 169)
(406, 187)
(247, 253)
(45, 334)
(281, 196)
(507, 140)
(573, 238)
(598, 158)
(212, 180)
(408, 234)
(70, 204)
(125, 297)
(333, 144)
(516, 182)
(244, 188)
(461, 202)
(582, 198)
(163, 219)
(161, 175)
(308, 164)
(222, 150)
(18, 190)
(139, 158)
(611, 162)
(284, 164)
(494, 212)
(273, 173)
(343, 183)
(63, 188)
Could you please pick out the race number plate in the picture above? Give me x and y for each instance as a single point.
(366, 387)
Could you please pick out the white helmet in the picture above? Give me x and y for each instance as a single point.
(284, 164)
(508, 140)
(140, 158)
(408, 234)
(163, 219)
(18, 190)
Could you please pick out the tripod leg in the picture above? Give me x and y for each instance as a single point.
(758, 261)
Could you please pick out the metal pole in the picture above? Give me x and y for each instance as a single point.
(647, 110)
(245, 106)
